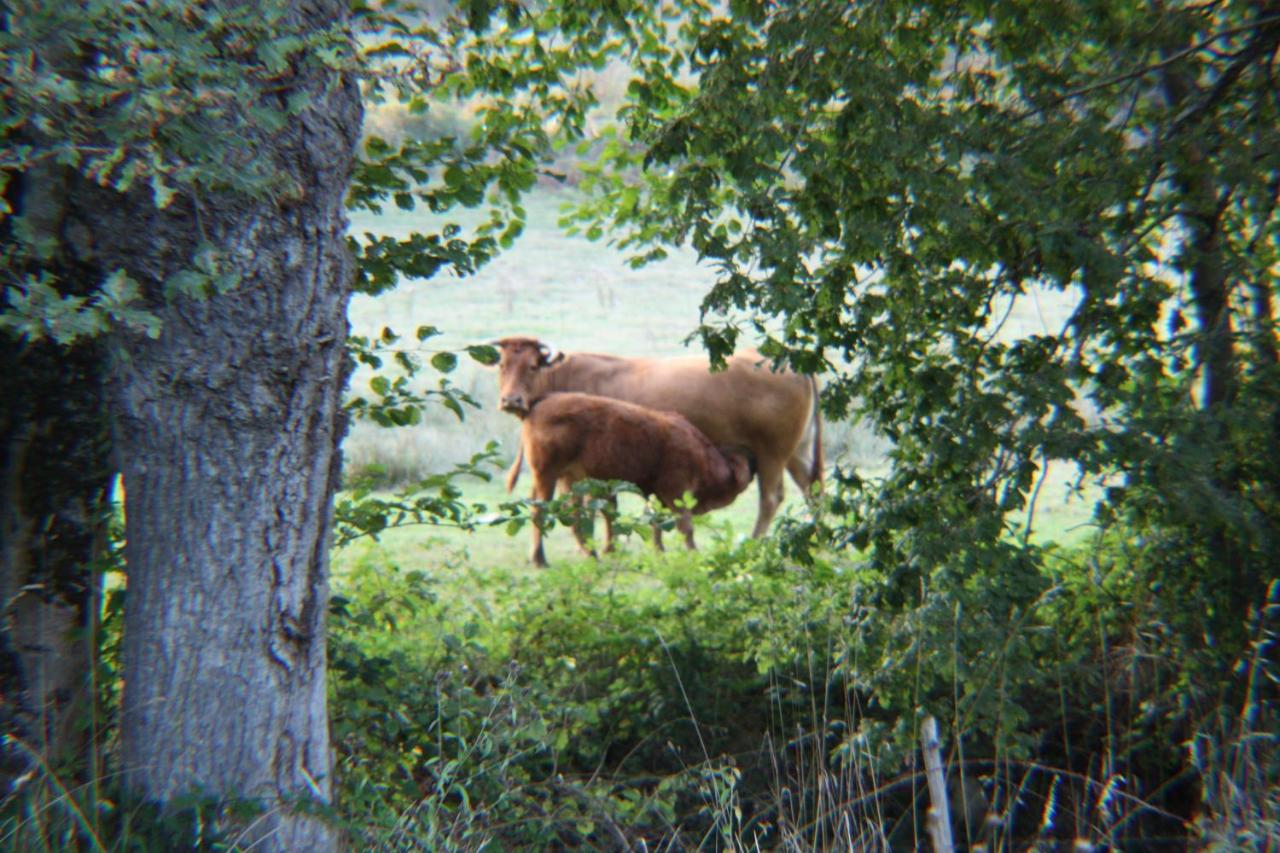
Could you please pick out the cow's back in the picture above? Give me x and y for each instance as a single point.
(745, 405)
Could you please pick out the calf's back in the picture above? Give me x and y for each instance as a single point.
(574, 436)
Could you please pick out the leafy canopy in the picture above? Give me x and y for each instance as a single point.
(879, 185)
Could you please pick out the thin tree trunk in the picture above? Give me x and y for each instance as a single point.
(1193, 170)
(1210, 291)
(1202, 217)
(227, 429)
(1260, 285)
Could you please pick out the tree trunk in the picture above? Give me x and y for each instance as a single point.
(55, 473)
(227, 429)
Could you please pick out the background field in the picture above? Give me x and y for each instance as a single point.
(580, 295)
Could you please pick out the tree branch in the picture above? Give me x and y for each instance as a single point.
(1265, 41)
(1139, 73)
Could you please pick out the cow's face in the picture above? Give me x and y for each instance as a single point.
(520, 372)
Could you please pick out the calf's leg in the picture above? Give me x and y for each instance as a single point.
(581, 518)
(685, 525)
(543, 490)
(608, 523)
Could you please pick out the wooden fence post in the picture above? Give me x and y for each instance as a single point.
(939, 816)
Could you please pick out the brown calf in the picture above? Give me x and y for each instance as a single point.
(569, 437)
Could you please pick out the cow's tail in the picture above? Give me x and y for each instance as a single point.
(815, 472)
(514, 473)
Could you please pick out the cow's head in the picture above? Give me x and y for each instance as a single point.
(520, 377)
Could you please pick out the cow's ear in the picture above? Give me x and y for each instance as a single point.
(549, 355)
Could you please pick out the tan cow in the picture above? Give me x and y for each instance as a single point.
(569, 437)
(771, 415)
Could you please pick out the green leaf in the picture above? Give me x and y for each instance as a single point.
(485, 354)
(444, 362)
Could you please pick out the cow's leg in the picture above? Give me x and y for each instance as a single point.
(769, 470)
(543, 490)
(807, 457)
(799, 468)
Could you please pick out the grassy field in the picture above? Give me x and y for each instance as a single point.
(581, 295)
(566, 289)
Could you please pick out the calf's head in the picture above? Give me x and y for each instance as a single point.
(520, 377)
(742, 466)
(732, 471)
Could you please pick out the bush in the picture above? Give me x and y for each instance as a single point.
(732, 698)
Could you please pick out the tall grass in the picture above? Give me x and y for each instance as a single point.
(1236, 752)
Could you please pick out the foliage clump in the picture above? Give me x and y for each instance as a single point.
(736, 698)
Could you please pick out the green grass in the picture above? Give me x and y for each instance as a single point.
(465, 556)
(450, 551)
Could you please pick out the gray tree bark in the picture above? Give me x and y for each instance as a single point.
(227, 429)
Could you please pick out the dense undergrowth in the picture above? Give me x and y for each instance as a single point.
(732, 700)
(735, 699)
